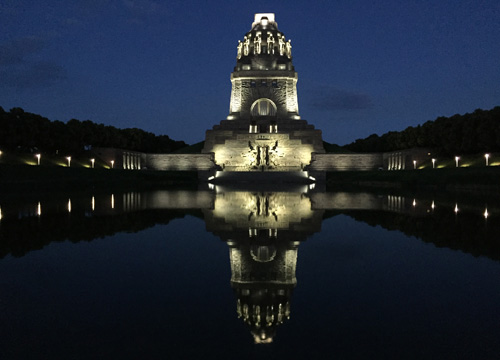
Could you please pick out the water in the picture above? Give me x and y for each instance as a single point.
(235, 274)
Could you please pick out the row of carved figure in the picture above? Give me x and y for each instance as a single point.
(284, 47)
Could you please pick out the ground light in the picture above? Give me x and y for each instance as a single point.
(486, 156)
(456, 160)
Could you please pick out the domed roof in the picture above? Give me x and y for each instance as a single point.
(264, 47)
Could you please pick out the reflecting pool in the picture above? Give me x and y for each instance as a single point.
(249, 274)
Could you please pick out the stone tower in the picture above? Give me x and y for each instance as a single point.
(263, 131)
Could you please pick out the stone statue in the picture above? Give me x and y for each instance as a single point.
(289, 49)
(257, 44)
(270, 43)
(240, 48)
(246, 45)
(281, 40)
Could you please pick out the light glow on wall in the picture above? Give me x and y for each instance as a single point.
(456, 160)
(38, 156)
(486, 156)
(486, 214)
(39, 209)
(112, 201)
(92, 161)
(69, 160)
(69, 205)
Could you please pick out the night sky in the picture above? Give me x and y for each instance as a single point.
(164, 66)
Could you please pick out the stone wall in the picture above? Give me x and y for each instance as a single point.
(179, 162)
(346, 162)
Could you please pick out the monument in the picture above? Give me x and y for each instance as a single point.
(263, 132)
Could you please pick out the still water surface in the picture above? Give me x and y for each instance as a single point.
(235, 274)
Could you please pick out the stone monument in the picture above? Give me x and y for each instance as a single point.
(263, 132)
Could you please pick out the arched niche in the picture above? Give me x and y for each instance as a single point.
(263, 107)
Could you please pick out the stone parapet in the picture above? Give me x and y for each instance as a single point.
(346, 162)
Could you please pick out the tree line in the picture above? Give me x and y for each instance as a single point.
(24, 131)
(470, 133)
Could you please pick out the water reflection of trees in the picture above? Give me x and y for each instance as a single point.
(23, 230)
(18, 236)
(467, 231)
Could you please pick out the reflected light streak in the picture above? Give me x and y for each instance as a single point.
(0, 213)
(38, 158)
(69, 160)
(486, 156)
(433, 206)
(39, 209)
(69, 205)
(414, 203)
(456, 208)
(433, 163)
(92, 162)
(486, 214)
(112, 201)
(93, 203)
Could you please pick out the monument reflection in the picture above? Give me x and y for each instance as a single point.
(263, 231)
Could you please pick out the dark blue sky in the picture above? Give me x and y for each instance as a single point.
(164, 66)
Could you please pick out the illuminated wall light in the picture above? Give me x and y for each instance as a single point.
(487, 156)
(486, 214)
(433, 206)
(456, 208)
(211, 186)
(92, 161)
(414, 203)
(112, 201)
(312, 178)
(112, 164)
(38, 156)
(93, 203)
(69, 160)
(211, 178)
(456, 160)
(39, 209)
(414, 164)
(69, 205)
(433, 163)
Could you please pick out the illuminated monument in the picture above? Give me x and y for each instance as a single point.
(263, 132)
